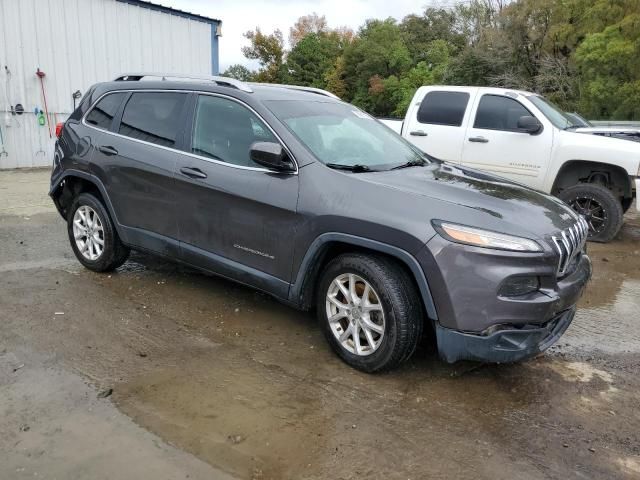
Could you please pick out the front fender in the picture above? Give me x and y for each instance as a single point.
(307, 270)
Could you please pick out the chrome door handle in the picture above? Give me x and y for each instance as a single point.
(478, 140)
(193, 172)
(418, 133)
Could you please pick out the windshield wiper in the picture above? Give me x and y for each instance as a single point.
(357, 168)
(411, 163)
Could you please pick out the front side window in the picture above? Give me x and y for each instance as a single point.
(153, 117)
(101, 116)
(443, 108)
(549, 110)
(340, 134)
(224, 130)
(496, 112)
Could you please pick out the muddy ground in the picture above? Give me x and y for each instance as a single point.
(207, 379)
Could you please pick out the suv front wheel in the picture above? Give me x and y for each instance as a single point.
(93, 237)
(369, 311)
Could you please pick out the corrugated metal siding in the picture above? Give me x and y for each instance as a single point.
(78, 43)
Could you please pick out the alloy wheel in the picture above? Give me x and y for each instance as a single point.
(355, 314)
(88, 232)
(592, 211)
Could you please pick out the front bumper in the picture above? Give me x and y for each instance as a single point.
(476, 322)
(502, 346)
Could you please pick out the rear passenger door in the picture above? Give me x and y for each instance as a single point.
(135, 159)
(494, 143)
(436, 123)
(236, 217)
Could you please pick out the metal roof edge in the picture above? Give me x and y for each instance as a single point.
(171, 11)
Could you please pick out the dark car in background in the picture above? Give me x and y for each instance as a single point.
(291, 191)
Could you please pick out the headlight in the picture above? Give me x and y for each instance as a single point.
(486, 238)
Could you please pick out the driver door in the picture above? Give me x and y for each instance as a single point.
(235, 216)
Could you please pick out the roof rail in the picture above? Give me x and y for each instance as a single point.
(319, 91)
(218, 80)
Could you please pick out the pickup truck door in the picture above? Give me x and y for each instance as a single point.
(436, 122)
(494, 143)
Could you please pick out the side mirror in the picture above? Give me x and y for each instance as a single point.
(529, 124)
(271, 155)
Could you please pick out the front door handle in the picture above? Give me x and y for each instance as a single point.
(193, 172)
(418, 133)
(478, 140)
(108, 150)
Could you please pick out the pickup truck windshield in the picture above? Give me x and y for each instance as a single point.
(553, 113)
(340, 135)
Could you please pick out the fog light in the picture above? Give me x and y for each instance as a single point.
(517, 286)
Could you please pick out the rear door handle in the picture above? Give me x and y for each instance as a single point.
(478, 140)
(418, 133)
(193, 172)
(108, 150)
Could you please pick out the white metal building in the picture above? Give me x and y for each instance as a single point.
(77, 43)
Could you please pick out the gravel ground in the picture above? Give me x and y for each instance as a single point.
(158, 371)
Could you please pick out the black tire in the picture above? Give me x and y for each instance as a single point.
(400, 303)
(600, 207)
(115, 253)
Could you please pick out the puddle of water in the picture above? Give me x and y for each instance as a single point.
(612, 325)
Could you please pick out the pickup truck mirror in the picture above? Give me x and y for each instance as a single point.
(529, 124)
(271, 155)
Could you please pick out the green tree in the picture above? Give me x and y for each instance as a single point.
(239, 72)
(431, 71)
(418, 31)
(377, 52)
(334, 78)
(312, 57)
(609, 66)
(269, 51)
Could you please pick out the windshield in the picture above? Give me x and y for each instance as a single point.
(340, 134)
(553, 113)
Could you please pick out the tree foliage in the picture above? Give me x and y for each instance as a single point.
(582, 54)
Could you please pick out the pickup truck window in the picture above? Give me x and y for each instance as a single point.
(496, 112)
(443, 108)
(549, 110)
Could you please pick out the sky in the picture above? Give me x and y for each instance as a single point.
(239, 16)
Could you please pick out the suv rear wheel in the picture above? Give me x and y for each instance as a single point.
(600, 208)
(93, 237)
(369, 311)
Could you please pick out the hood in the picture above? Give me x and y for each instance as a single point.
(487, 201)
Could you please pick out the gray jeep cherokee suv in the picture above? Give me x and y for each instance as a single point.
(305, 197)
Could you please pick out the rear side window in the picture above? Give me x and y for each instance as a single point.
(101, 116)
(499, 113)
(443, 108)
(153, 117)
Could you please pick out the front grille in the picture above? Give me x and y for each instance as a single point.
(569, 243)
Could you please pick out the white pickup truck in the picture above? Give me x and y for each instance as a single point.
(525, 138)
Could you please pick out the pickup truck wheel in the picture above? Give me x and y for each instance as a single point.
(93, 237)
(369, 311)
(600, 208)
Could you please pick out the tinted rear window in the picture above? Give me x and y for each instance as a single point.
(101, 116)
(153, 117)
(443, 108)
